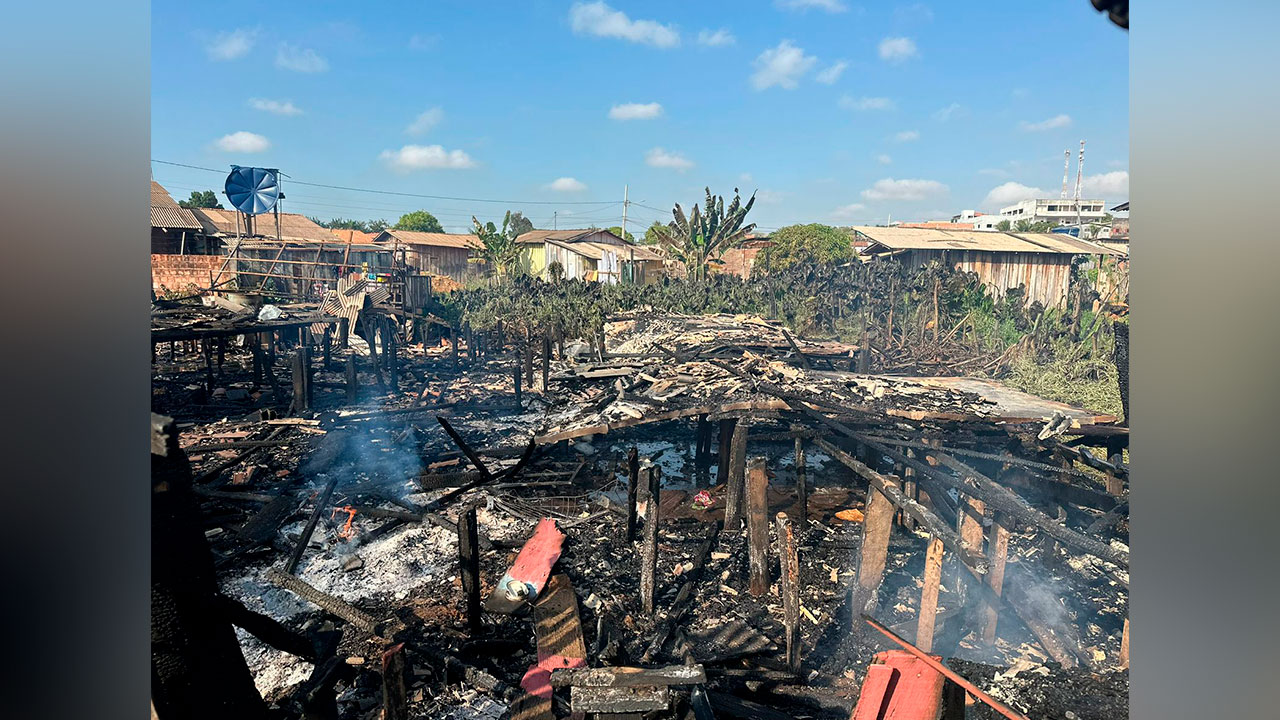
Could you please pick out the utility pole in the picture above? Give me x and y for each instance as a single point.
(1079, 182)
(625, 203)
(555, 216)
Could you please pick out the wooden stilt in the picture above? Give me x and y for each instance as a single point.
(929, 595)
(999, 554)
(633, 481)
(546, 361)
(737, 468)
(802, 481)
(353, 389)
(649, 561)
(469, 564)
(757, 485)
(519, 404)
(726, 439)
(789, 569)
(877, 524)
(970, 528)
(327, 346)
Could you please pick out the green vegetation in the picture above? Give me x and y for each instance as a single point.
(368, 226)
(419, 221)
(519, 224)
(498, 248)
(617, 230)
(813, 243)
(700, 239)
(201, 199)
(654, 233)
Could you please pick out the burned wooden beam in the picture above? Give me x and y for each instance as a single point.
(929, 595)
(921, 514)
(649, 558)
(332, 605)
(395, 701)
(998, 551)
(1001, 499)
(737, 475)
(757, 486)
(684, 597)
(789, 569)
(633, 481)
(618, 699)
(322, 502)
(469, 566)
(877, 526)
(629, 676)
(802, 481)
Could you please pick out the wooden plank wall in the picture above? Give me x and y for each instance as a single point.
(1047, 276)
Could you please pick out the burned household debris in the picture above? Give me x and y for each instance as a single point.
(367, 511)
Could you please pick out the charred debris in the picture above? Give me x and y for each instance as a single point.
(383, 516)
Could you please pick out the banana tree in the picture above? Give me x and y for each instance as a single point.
(497, 247)
(705, 234)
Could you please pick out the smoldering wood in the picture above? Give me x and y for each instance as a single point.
(395, 700)
(998, 551)
(334, 606)
(322, 503)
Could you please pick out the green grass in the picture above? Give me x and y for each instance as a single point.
(1071, 374)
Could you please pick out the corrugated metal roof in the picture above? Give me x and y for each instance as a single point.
(161, 197)
(596, 251)
(895, 238)
(533, 237)
(292, 225)
(173, 218)
(410, 237)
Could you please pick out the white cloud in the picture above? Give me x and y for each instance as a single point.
(232, 44)
(242, 142)
(275, 107)
(635, 111)
(599, 19)
(567, 184)
(659, 158)
(1114, 184)
(949, 112)
(831, 74)
(745, 178)
(1057, 121)
(1010, 193)
(770, 197)
(426, 157)
(883, 159)
(897, 49)
(783, 66)
(831, 6)
(422, 124)
(716, 38)
(303, 60)
(890, 189)
(996, 172)
(865, 103)
(907, 136)
(849, 211)
(918, 12)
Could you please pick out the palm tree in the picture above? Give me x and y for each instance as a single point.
(705, 234)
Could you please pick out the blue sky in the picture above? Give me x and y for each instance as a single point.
(833, 112)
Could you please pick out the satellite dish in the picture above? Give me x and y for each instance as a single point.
(252, 190)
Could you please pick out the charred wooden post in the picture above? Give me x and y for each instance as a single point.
(519, 405)
(453, 346)
(970, 528)
(802, 480)
(726, 438)
(197, 668)
(546, 360)
(502, 338)
(326, 346)
(528, 360)
(649, 561)
(789, 567)
(395, 700)
(469, 563)
(208, 368)
(877, 524)
(757, 526)
(299, 383)
(469, 339)
(633, 480)
(352, 377)
(929, 595)
(255, 348)
(998, 551)
(392, 354)
(344, 332)
(910, 489)
(737, 472)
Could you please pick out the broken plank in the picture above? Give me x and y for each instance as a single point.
(629, 676)
(618, 699)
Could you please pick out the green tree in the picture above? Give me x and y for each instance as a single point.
(419, 221)
(815, 243)
(519, 224)
(370, 226)
(617, 230)
(702, 236)
(1027, 226)
(1003, 226)
(654, 234)
(201, 199)
(497, 247)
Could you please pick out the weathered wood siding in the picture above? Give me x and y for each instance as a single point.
(448, 261)
(1046, 276)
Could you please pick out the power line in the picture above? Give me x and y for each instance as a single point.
(404, 194)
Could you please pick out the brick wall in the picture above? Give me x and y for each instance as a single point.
(177, 273)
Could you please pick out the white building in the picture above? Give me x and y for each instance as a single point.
(1059, 211)
(977, 220)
